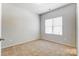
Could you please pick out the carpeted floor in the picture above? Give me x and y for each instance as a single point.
(39, 48)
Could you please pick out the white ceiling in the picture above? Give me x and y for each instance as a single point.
(39, 8)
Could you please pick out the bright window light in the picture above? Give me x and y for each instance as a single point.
(54, 26)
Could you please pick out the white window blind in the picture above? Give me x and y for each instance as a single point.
(54, 26)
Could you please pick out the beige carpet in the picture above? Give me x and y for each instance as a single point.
(39, 48)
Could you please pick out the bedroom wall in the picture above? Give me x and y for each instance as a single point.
(0, 29)
(18, 25)
(78, 28)
(69, 25)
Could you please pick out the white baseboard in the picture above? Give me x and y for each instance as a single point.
(18, 43)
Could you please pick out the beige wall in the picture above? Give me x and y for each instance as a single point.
(69, 25)
(78, 28)
(18, 25)
(0, 28)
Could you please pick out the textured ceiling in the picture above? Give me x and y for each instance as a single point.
(39, 8)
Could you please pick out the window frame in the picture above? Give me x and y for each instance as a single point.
(53, 26)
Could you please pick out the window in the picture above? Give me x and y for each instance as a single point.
(54, 26)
